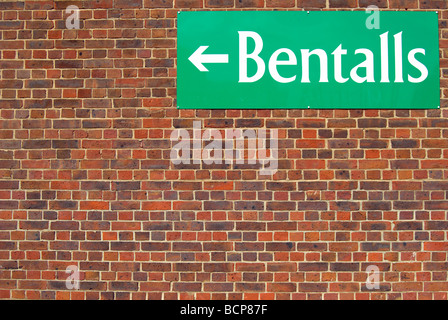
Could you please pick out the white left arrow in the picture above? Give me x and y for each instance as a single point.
(198, 58)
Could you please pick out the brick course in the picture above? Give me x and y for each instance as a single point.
(86, 178)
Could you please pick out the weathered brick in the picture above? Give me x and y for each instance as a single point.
(436, 225)
(67, 64)
(155, 246)
(313, 287)
(435, 185)
(376, 205)
(408, 225)
(374, 185)
(404, 164)
(124, 286)
(373, 144)
(372, 123)
(131, 185)
(405, 143)
(95, 185)
(406, 246)
(375, 246)
(187, 286)
(158, 3)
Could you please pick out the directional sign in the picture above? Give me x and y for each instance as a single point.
(315, 59)
(198, 58)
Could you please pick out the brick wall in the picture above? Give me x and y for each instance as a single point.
(86, 179)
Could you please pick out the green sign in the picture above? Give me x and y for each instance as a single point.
(315, 59)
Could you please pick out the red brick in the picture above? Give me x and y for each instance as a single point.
(407, 4)
(281, 287)
(188, 4)
(85, 172)
(280, 3)
(158, 3)
(435, 246)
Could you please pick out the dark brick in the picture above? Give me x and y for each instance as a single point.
(406, 246)
(69, 83)
(124, 286)
(218, 205)
(372, 123)
(126, 185)
(375, 246)
(39, 84)
(408, 205)
(344, 266)
(279, 246)
(373, 144)
(68, 64)
(134, 43)
(404, 164)
(65, 144)
(249, 205)
(436, 225)
(408, 225)
(95, 185)
(342, 144)
(376, 205)
(405, 143)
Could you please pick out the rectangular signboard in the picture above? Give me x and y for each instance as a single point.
(315, 59)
